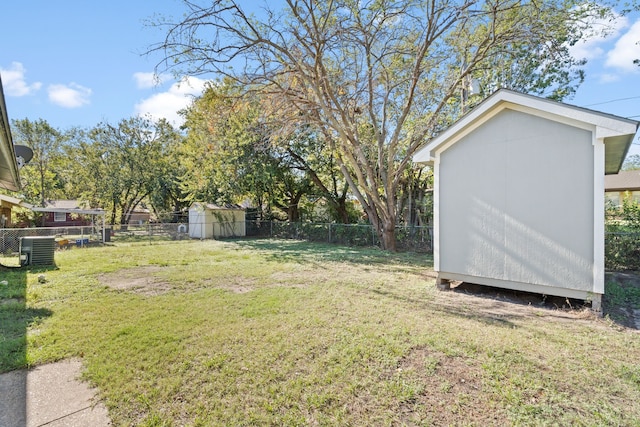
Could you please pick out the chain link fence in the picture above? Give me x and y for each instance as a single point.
(408, 238)
(622, 249)
(149, 231)
(65, 237)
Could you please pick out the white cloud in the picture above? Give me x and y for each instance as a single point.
(626, 49)
(14, 82)
(69, 96)
(167, 104)
(597, 32)
(149, 80)
(609, 78)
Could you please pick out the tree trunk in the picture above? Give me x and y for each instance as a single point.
(341, 211)
(388, 236)
(293, 213)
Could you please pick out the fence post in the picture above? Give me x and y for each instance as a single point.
(329, 233)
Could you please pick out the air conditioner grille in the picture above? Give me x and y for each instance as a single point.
(39, 249)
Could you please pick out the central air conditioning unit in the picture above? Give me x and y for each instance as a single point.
(37, 250)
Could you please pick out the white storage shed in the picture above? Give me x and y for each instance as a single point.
(208, 221)
(519, 195)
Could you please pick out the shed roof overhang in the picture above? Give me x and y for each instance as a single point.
(9, 177)
(616, 132)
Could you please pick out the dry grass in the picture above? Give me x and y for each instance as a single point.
(292, 333)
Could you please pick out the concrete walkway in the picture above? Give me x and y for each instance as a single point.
(50, 395)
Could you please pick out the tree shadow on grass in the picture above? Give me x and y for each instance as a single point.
(493, 306)
(309, 252)
(621, 301)
(15, 319)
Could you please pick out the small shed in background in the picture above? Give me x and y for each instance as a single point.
(519, 195)
(208, 221)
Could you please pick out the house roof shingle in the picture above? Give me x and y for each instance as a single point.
(65, 204)
(623, 181)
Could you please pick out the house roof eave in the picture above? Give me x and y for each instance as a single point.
(9, 175)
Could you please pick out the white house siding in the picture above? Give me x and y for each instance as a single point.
(518, 193)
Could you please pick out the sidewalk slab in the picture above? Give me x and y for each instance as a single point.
(50, 395)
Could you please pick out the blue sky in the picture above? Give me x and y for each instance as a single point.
(77, 63)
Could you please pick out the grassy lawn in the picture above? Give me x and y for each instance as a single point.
(291, 333)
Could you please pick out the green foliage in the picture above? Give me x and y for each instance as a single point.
(622, 245)
(378, 79)
(119, 167)
(231, 154)
(631, 163)
(618, 295)
(44, 177)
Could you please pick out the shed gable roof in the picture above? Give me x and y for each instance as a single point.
(214, 207)
(617, 132)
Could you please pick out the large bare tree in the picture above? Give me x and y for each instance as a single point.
(378, 77)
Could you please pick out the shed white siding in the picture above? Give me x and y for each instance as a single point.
(510, 211)
(229, 223)
(518, 194)
(207, 221)
(200, 222)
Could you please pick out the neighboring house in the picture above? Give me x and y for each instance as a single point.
(518, 195)
(625, 185)
(9, 176)
(6, 205)
(207, 221)
(139, 216)
(64, 213)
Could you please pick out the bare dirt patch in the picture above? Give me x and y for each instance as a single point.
(239, 285)
(294, 279)
(621, 302)
(141, 280)
(501, 306)
(452, 390)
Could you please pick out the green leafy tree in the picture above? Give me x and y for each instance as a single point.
(380, 77)
(631, 163)
(121, 166)
(273, 161)
(307, 150)
(229, 155)
(42, 178)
